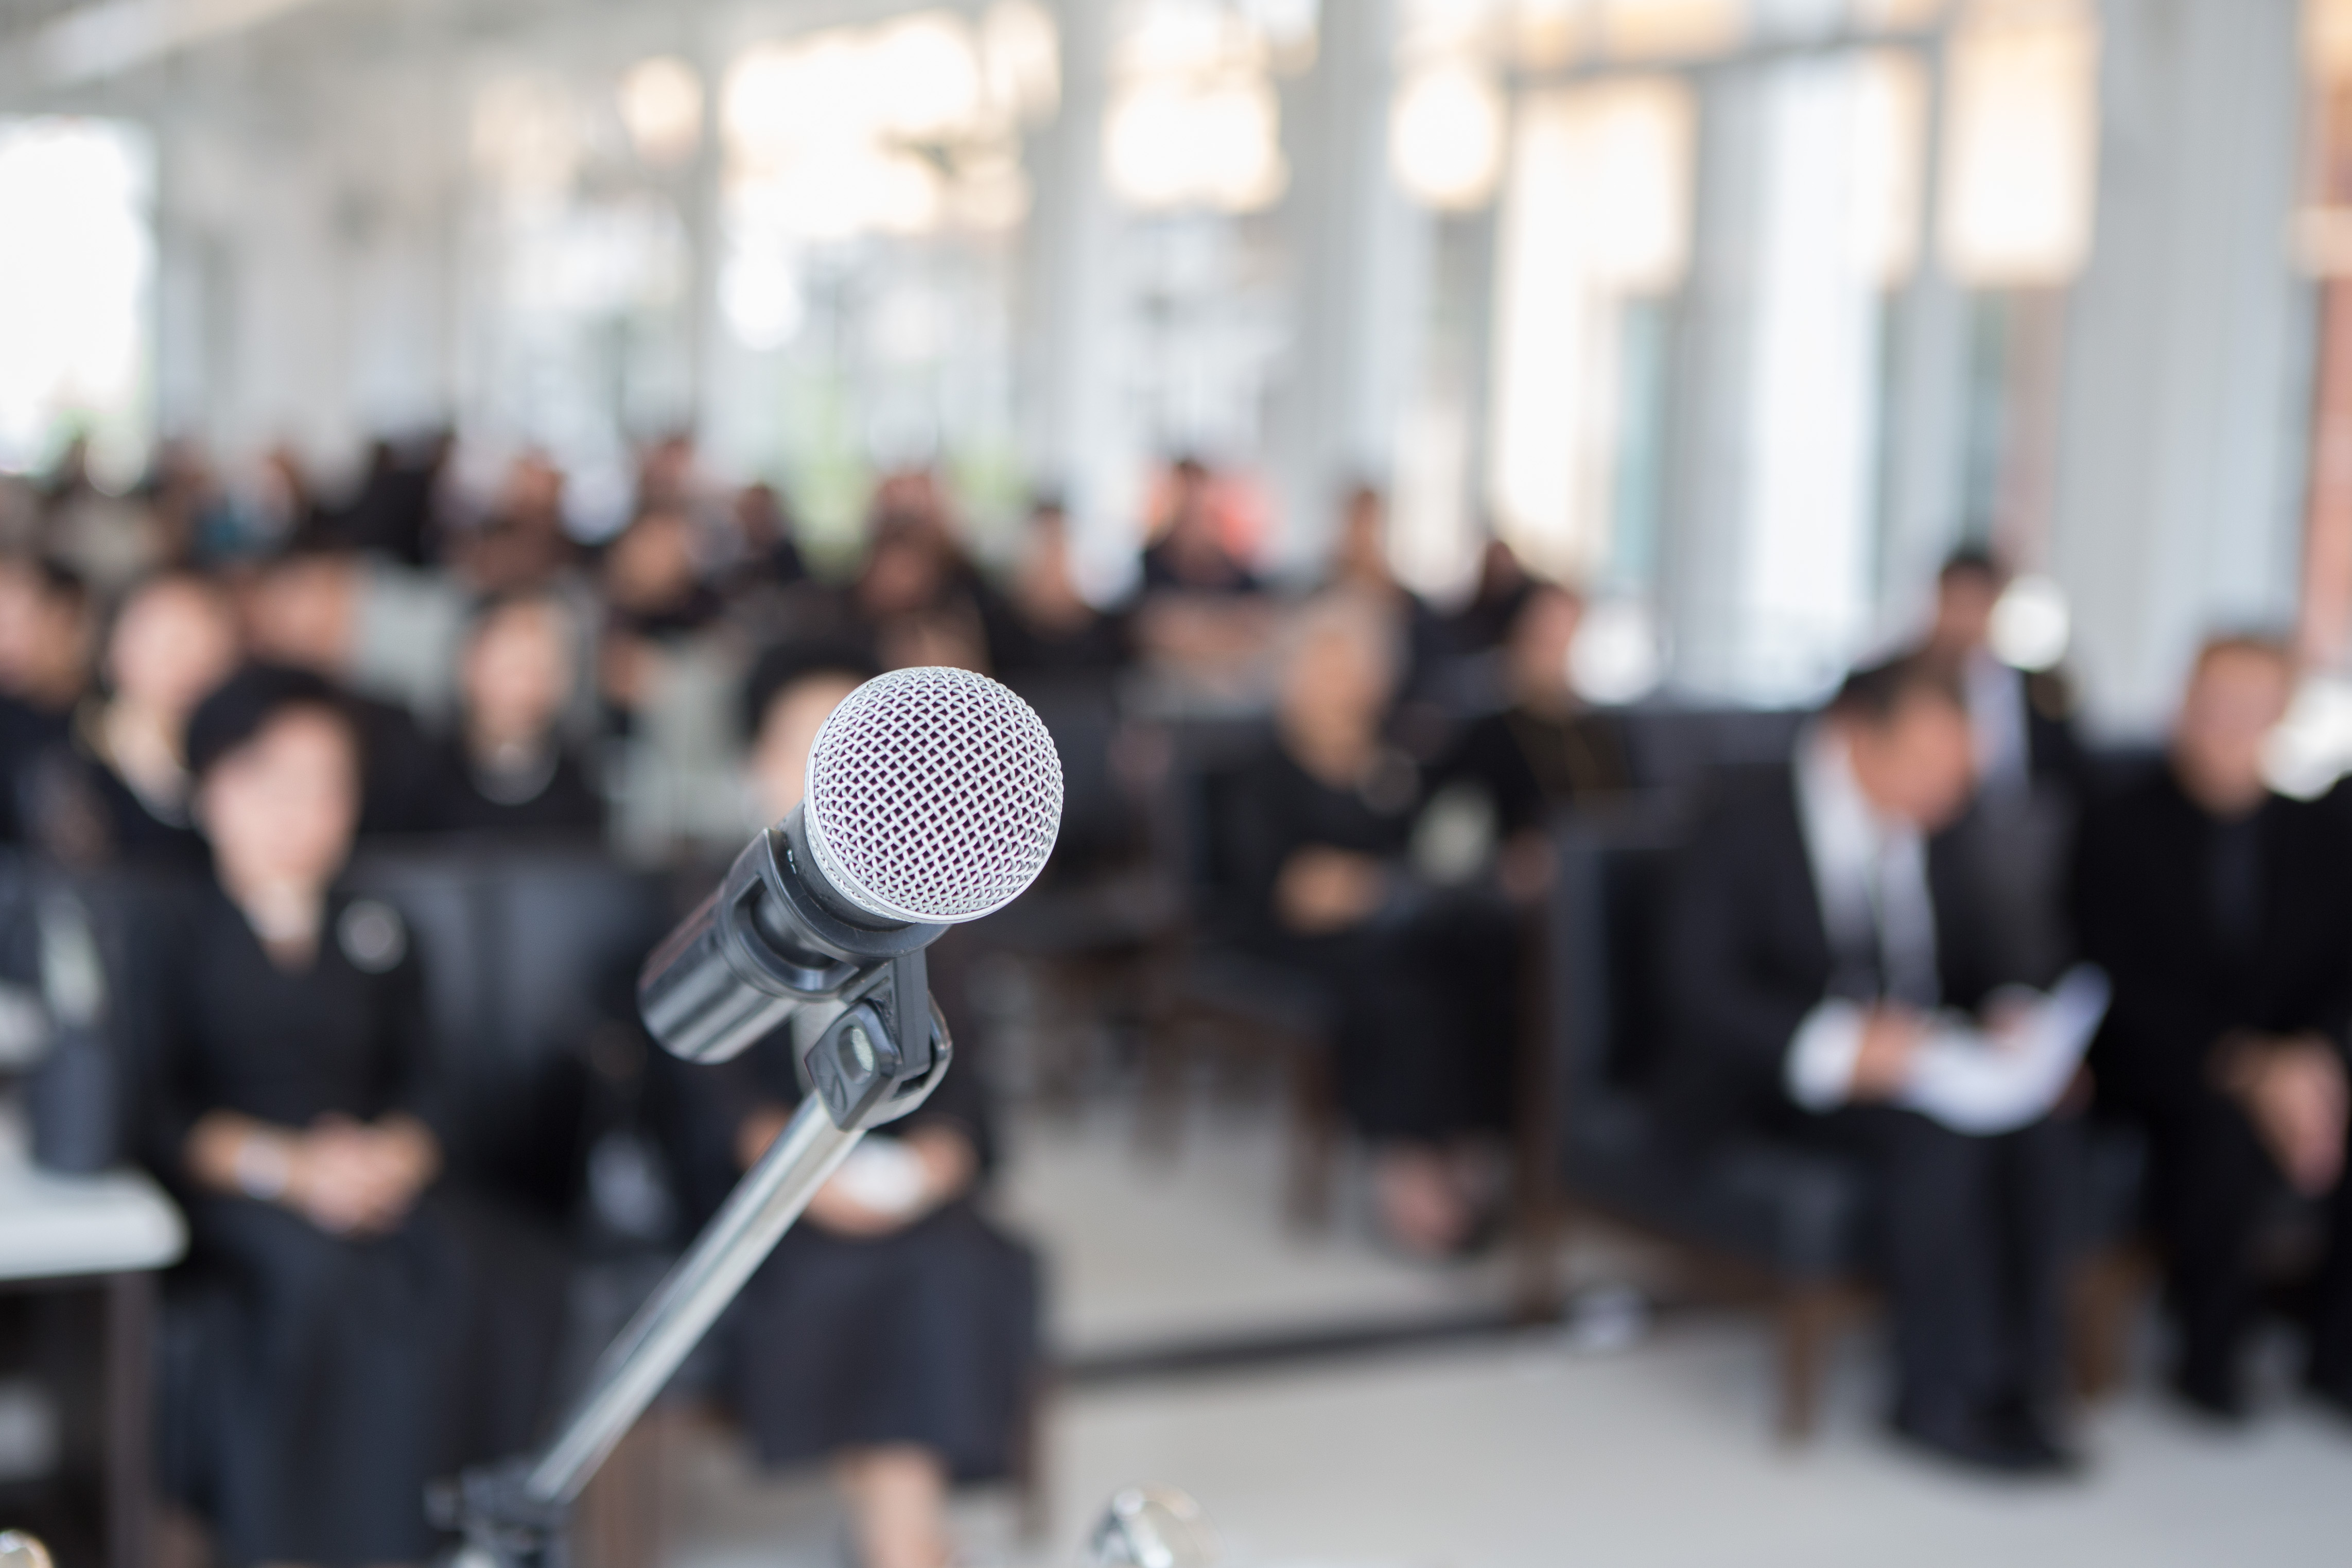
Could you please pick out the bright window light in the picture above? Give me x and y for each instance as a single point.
(661, 103)
(1193, 121)
(1446, 134)
(74, 282)
(2021, 147)
(1597, 211)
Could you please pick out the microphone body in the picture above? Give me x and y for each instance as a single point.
(775, 937)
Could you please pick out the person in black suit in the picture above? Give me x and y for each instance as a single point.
(1823, 914)
(2223, 913)
(2023, 719)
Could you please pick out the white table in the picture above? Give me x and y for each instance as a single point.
(109, 1233)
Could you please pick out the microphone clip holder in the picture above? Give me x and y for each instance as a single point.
(866, 1067)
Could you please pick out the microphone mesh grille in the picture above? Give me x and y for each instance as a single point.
(934, 796)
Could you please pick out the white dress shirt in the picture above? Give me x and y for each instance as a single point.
(1870, 873)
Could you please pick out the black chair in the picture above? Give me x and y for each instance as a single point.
(1211, 997)
(1795, 1219)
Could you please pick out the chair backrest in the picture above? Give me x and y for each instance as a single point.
(1678, 747)
(1194, 818)
(1614, 873)
(531, 959)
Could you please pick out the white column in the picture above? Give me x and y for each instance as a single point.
(2182, 430)
(1362, 251)
(1925, 450)
(1703, 557)
(1076, 435)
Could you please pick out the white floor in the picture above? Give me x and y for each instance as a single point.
(1505, 1451)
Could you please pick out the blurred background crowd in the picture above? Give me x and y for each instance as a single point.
(1624, 587)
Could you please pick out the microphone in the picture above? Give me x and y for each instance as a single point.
(933, 797)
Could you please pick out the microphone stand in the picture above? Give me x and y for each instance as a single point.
(863, 1074)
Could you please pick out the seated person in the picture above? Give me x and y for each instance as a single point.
(44, 644)
(1421, 986)
(373, 1335)
(1547, 748)
(2025, 736)
(1044, 627)
(508, 770)
(895, 1329)
(1821, 920)
(174, 640)
(2220, 911)
(1191, 555)
(302, 610)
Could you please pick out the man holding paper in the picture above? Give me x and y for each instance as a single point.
(1842, 974)
(2225, 913)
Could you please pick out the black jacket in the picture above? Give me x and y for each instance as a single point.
(2148, 911)
(1748, 954)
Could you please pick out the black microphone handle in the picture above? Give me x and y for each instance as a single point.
(774, 936)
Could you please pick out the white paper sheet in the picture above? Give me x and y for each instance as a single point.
(1974, 1082)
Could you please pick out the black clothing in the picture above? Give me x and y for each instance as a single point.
(338, 1373)
(1164, 573)
(2207, 928)
(1751, 956)
(928, 1335)
(77, 808)
(1530, 764)
(1018, 647)
(1423, 994)
(549, 799)
(1974, 1232)
(27, 736)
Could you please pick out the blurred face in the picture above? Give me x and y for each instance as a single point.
(902, 574)
(1919, 764)
(172, 643)
(1964, 605)
(652, 564)
(280, 809)
(518, 673)
(301, 614)
(1540, 640)
(788, 730)
(2235, 699)
(44, 637)
(1337, 687)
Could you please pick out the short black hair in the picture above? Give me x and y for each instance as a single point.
(1874, 693)
(1973, 561)
(248, 701)
(786, 665)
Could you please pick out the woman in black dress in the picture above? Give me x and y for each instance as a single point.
(894, 1332)
(1420, 979)
(293, 1107)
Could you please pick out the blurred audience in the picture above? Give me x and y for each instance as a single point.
(1824, 918)
(2218, 909)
